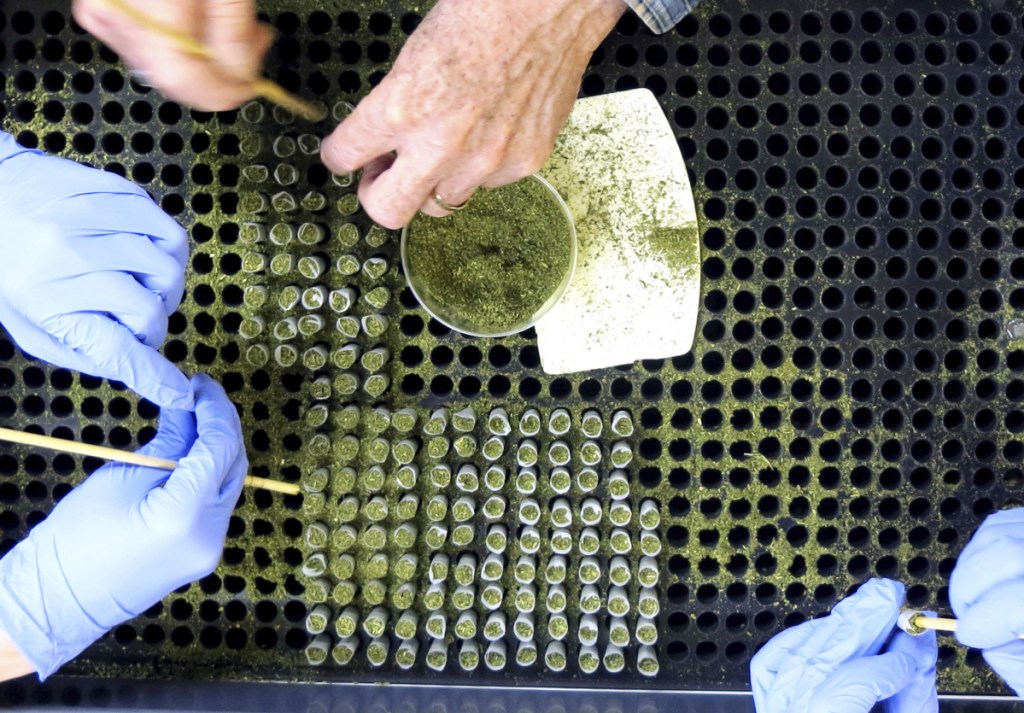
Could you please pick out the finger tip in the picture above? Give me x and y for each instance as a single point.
(340, 168)
(391, 222)
(201, 385)
(333, 156)
(971, 636)
(342, 154)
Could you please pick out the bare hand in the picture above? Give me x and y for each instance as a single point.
(228, 28)
(476, 98)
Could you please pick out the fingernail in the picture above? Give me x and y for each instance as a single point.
(140, 77)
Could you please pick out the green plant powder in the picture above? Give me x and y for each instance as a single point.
(490, 268)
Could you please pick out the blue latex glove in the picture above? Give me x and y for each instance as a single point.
(986, 591)
(90, 269)
(848, 661)
(127, 536)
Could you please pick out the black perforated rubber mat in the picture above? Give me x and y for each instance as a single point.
(852, 407)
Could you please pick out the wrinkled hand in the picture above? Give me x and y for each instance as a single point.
(90, 270)
(986, 591)
(843, 663)
(228, 28)
(476, 98)
(127, 536)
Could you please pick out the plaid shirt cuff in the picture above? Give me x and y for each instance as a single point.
(662, 15)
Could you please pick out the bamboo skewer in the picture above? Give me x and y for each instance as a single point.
(112, 454)
(261, 87)
(916, 623)
(921, 621)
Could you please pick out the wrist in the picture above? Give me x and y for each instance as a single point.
(606, 15)
(609, 10)
(578, 26)
(38, 612)
(13, 663)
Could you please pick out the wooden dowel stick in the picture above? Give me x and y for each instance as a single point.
(918, 620)
(186, 43)
(112, 454)
(935, 623)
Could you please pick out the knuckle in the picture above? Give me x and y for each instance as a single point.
(396, 115)
(520, 168)
(201, 562)
(152, 306)
(177, 240)
(503, 141)
(207, 560)
(386, 207)
(534, 163)
(487, 163)
(242, 458)
(387, 213)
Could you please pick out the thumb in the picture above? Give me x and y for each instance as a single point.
(857, 685)
(994, 619)
(919, 695)
(236, 37)
(1008, 662)
(115, 353)
(175, 436)
(358, 140)
(217, 454)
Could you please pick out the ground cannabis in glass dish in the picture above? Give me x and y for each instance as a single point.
(494, 267)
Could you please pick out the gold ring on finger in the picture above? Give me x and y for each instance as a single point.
(445, 205)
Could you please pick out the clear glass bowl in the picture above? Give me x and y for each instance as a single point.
(463, 323)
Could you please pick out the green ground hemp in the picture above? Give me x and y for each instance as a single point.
(376, 384)
(405, 567)
(491, 267)
(618, 632)
(462, 535)
(558, 626)
(646, 631)
(614, 660)
(589, 660)
(405, 657)
(526, 654)
(377, 651)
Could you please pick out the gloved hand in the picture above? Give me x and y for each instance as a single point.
(90, 269)
(848, 661)
(126, 536)
(986, 591)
